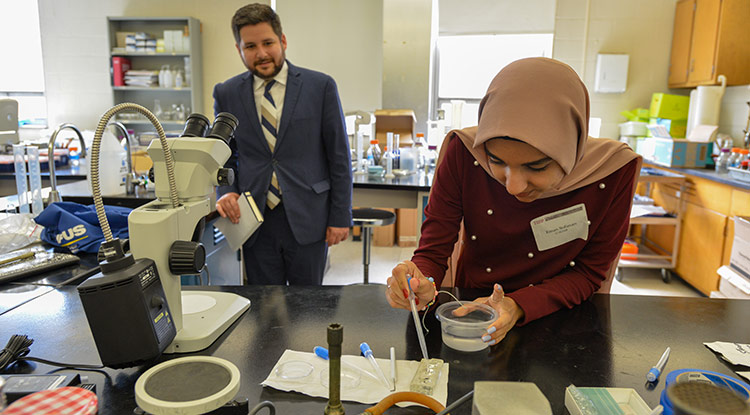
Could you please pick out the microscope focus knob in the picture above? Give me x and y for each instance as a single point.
(186, 257)
(225, 176)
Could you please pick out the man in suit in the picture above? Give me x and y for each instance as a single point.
(290, 150)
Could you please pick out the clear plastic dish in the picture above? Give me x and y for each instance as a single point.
(294, 369)
(349, 378)
(464, 332)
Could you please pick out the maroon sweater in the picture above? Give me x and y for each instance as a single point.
(500, 246)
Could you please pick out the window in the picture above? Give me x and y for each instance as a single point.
(22, 74)
(467, 63)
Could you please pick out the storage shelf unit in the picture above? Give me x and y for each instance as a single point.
(647, 257)
(189, 96)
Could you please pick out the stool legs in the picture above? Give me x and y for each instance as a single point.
(366, 237)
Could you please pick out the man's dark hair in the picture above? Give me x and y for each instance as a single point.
(253, 14)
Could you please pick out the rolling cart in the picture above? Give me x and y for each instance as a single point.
(660, 257)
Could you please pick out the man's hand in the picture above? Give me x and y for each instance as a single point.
(335, 235)
(228, 207)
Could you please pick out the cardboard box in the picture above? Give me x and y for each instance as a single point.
(406, 227)
(739, 260)
(121, 38)
(675, 128)
(673, 107)
(397, 121)
(673, 152)
(384, 235)
(732, 284)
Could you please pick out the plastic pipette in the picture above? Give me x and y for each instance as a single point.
(417, 323)
(367, 352)
(322, 352)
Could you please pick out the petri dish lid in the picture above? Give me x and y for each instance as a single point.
(479, 315)
(294, 369)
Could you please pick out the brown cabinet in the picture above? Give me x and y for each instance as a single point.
(707, 230)
(710, 38)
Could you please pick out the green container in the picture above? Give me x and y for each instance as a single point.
(673, 107)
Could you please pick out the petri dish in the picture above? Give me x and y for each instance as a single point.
(349, 378)
(294, 369)
(464, 332)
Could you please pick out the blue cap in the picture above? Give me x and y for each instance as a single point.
(321, 352)
(653, 374)
(365, 348)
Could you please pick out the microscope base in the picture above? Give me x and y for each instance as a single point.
(205, 317)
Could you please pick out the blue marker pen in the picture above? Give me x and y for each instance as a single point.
(655, 371)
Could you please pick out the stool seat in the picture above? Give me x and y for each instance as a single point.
(368, 218)
(372, 217)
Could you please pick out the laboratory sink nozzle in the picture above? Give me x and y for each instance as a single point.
(54, 195)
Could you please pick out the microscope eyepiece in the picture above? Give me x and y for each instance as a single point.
(223, 127)
(196, 125)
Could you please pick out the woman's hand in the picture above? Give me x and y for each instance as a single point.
(397, 292)
(508, 314)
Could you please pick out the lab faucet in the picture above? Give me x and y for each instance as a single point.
(131, 180)
(54, 195)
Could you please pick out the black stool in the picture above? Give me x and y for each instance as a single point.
(368, 218)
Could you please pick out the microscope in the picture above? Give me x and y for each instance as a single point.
(135, 306)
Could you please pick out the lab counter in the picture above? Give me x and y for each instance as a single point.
(609, 340)
(708, 174)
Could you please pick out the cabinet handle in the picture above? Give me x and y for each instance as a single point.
(692, 65)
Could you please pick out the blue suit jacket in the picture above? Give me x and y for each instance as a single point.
(311, 158)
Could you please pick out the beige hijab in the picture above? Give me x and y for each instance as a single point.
(544, 103)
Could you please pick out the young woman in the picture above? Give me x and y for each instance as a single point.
(545, 208)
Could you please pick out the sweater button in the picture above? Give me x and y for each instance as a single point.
(476, 163)
(531, 255)
(572, 263)
(490, 212)
(488, 269)
(602, 185)
(473, 237)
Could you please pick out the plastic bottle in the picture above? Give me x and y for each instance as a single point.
(113, 166)
(179, 80)
(722, 161)
(158, 112)
(373, 153)
(431, 158)
(734, 157)
(421, 148)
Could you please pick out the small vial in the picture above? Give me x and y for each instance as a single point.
(427, 375)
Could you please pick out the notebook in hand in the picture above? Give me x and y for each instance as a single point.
(250, 220)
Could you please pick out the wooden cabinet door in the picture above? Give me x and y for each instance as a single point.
(705, 34)
(681, 41)
(701, 247)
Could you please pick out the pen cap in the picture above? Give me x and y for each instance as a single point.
(365, 348)
(321, 352)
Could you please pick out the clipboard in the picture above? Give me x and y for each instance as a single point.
(250, 220)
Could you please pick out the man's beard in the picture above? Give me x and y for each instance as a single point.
(276, 68)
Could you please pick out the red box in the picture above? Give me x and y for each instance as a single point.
(120, 65)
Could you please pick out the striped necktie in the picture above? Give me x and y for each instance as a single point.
(269, 123)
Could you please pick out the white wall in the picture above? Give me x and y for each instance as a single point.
(492, 16)
(343, 39)
(639, 28)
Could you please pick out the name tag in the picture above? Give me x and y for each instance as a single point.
(557, 228)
